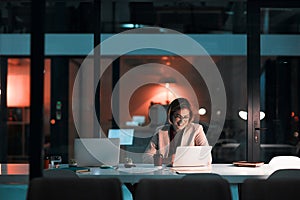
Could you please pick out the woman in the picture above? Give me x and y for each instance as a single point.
(180, 131)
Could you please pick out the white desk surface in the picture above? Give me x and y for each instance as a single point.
(132, 175)
(18, 173)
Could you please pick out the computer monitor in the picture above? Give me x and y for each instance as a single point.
(125, 135)
(139, 119)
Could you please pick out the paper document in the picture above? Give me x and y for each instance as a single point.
(192, 170)
(138, 170)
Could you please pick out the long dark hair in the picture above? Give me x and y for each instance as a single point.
(178, 104)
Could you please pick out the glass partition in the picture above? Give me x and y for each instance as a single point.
(69, 29)
(220, 27)
(279, 82)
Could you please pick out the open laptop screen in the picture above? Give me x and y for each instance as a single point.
(125, 135)
(96, 151)
(192, 156)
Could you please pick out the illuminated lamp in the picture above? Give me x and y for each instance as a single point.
(244, 115)
(167, 81)
(202, 111)
(18, 86)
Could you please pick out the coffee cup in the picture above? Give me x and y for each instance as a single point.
(157, 158)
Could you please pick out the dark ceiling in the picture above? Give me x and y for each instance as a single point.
(187, 16)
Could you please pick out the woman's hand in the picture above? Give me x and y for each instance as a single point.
(172, 160)
(169, 160)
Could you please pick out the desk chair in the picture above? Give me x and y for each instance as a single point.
(272, 188)
(204, 187)
(66, 173)
(203, 176)
(62, 173)
(74, 188)
(285, 173)
(285, 162)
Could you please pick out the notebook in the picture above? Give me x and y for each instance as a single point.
(89, 152)
(125, 135)
(192, 156)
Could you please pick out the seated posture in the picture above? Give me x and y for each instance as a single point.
(180, 131)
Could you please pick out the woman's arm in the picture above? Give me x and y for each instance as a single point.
(200, 138)
(151, 150)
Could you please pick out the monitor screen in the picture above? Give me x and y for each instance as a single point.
(139, 119)
(125, 135)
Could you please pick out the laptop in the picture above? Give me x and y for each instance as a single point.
(192, 156)
(94, 152)
(125, 135)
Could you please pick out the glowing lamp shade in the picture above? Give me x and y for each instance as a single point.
(244, 115)
(202, 111)
(18, 90)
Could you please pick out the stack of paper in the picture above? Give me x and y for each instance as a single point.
(138, 170)
(192, 170)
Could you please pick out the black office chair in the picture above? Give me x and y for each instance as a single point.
(203, 176)
(285, 173)
(271, 188)
(62, 173)
(192, 187)
(74, 188)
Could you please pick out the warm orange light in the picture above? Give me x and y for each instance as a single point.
(164, 58)
(17, 169)
(52, 121)
(18, 83)
(168, 63)
(292, 114)
(18, 90)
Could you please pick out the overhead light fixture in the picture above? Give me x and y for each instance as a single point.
(202, 111)
(132, 25)
(244, 115)
(167, 81)
(262, 115)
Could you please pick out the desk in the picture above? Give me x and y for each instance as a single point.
(19, 173)
(234, 175)
(12, 173)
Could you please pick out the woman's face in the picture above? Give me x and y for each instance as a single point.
(181, 119)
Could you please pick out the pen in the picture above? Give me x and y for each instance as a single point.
(82, 170)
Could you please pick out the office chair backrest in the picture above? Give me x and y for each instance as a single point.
(210, 188)
(62, 173)
(285, 162)
(285, 173)
(203, 176)
(274, 188)
(74, 188)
